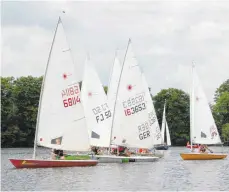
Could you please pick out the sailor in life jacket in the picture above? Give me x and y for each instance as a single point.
(202, 149)
(123, 150)
(57, 153)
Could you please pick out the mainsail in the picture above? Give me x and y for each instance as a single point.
(203, 129)
(133, 128)
(163, 127)
(168, 139)
(61, 113)
(96, 108)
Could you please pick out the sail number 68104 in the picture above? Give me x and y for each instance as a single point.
(71, 101)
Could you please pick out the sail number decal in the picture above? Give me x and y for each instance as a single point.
(143, 130)
(134, 105)
(152, 120)
(70, 95)
(101, 112)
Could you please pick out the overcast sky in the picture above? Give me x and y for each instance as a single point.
(166, 37)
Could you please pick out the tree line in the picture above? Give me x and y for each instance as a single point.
(20, 100)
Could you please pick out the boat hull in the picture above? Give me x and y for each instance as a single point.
(150, 155)
(202, 156)
(35, 163)
(122, 159)
(162, 147)
(193, 146)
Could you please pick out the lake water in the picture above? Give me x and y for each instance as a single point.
(170, 173)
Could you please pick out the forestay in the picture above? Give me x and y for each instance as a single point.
(152, 113)
(133, 129)
(61, 113)
(204, 130)
(96, 108)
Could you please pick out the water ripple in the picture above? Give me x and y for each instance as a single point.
(170, 173)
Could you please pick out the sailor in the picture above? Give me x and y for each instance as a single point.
(57, 153)
(123, 150)
(95, 150)
(202, 149)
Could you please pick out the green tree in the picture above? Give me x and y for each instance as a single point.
(8, 105)
(221, 110)
(20, 100)
(27, 93)
(225, 133)
(177, 113)
(224, 87)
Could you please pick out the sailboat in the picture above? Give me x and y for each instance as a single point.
(130, 122)
(164, 129)
(97, 111)
(152, 121)
(60, 112)
(203, 129)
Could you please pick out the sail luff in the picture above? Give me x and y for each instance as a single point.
(42, 89)
(114, 111)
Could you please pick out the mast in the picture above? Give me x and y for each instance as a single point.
(112, 124)
(42, 88)
(192, 105)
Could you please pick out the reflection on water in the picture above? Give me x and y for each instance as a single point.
(168, 174)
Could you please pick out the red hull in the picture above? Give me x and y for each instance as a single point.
(35, 163)
(193, 146)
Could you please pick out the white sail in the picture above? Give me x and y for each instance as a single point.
(152, 113)
(163, 127)
(97, 112)
(113, 84)
(204, 130)
(132, 128)
(168, 139)
(61, 113)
